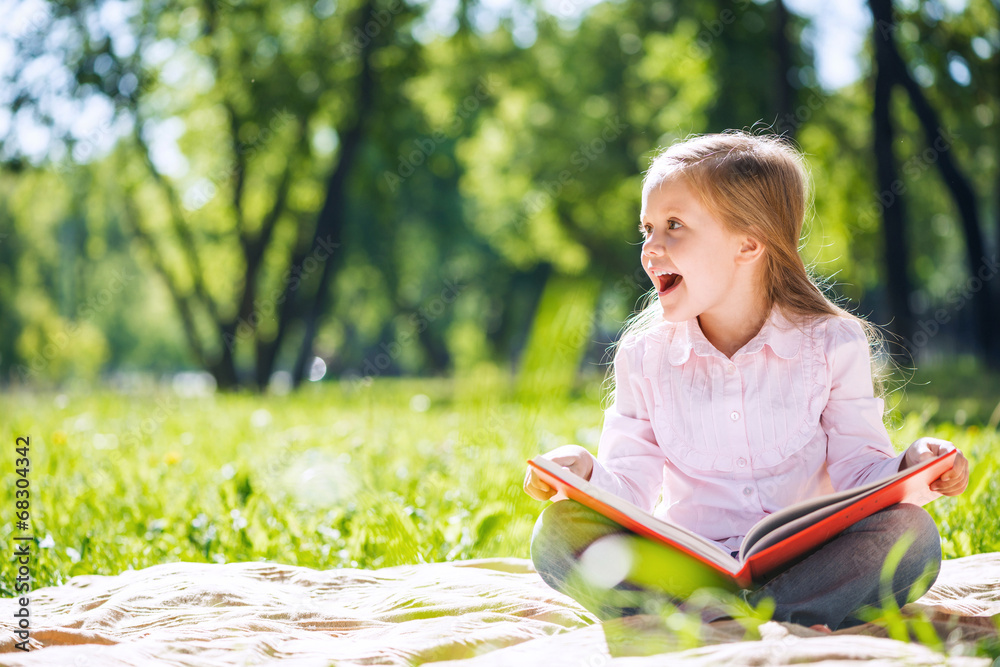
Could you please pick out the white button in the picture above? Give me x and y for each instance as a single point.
(741, 462)
(747, 491)
(734, 415)
(731, 368)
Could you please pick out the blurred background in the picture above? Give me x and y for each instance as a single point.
(255, 195)
(309, 281)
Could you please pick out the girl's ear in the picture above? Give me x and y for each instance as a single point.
(750, 250)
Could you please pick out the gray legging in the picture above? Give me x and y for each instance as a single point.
(831, 585)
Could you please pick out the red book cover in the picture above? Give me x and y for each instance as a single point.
(810, 530)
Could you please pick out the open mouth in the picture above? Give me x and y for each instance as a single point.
(668, 282)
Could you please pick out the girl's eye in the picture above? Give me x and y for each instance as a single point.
(646, 229)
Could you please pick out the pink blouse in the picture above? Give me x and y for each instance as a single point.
(727, 441)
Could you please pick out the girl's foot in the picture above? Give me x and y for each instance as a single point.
(821, 627)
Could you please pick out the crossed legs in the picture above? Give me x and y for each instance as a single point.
(834, 585)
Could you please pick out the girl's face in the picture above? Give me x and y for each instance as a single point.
(684, 239)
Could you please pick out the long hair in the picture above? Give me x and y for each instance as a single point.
(756, 185)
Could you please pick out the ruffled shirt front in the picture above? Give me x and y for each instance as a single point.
(727, 441)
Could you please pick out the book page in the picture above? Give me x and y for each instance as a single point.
(693, 542)
(807, 507)
(788, 521)
(763, 540)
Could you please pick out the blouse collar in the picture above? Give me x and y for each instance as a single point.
(777, 332)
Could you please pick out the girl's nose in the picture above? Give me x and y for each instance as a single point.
(652, 248)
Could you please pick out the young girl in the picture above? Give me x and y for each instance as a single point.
(739, 390)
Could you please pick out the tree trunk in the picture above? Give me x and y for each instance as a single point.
(889, 184)
(330, 225)
(526, 287)
(996, 149)
(328, 232)
(954, 179)
(783, 94)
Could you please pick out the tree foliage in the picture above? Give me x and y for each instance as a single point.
(268, 185)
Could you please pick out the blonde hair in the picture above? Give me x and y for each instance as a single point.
(756, 185)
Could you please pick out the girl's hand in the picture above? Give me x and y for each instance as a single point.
(573, 457)
(951, 483)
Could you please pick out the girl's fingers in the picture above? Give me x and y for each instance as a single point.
(954, 481)
(537, 483)
(536, 488)
(539, 494)
(950, 487)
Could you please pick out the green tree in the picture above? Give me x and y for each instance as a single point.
(940, 150)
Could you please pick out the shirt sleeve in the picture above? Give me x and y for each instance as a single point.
(629, 461)
(859, 449)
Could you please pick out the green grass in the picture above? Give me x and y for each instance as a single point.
(332, 476)
(343, 475)
(957, 391)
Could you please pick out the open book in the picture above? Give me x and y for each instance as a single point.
(775, 540)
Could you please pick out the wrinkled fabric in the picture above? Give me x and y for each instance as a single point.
(714, 444)
(475, 613)
(254, 613)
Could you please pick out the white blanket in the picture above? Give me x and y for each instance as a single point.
(494, 611)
